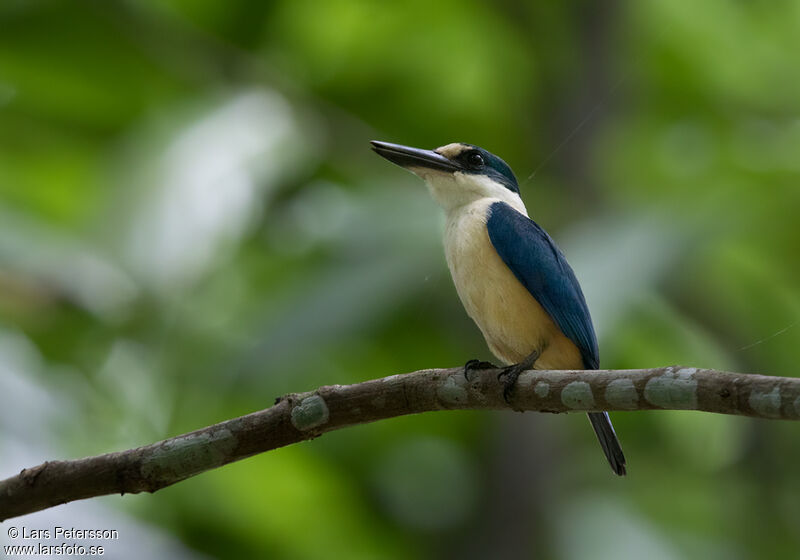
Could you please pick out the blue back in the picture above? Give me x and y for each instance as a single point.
(540, 266)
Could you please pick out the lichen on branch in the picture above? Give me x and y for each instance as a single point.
(300, 417)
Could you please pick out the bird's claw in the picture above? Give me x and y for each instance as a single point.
(509, 376)
(476, 365)
(512, 373)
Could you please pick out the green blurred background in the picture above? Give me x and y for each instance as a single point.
(192, 223)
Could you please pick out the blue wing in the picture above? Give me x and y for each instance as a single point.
(540, 266)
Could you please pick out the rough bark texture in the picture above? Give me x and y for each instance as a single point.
(303, 416)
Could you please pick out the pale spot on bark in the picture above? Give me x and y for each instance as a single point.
(577, 394)
(310, 413)
(675, 390)
(766, 404)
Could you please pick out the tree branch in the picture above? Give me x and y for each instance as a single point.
(303, 416)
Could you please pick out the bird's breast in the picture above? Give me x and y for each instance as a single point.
(511, 320)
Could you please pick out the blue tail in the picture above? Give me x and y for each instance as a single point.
(608, 441)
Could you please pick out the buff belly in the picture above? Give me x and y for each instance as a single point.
(511, 320)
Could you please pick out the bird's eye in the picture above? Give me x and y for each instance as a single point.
(474, 159)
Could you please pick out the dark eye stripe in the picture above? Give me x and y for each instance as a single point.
(490, 165)
(475, 159)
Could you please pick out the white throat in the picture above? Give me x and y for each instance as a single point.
(454, 191)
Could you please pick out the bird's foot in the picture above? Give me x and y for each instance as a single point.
(476, 365)
(510, 374)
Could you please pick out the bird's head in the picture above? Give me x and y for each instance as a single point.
(457, 174)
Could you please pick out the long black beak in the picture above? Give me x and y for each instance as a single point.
(408, 157)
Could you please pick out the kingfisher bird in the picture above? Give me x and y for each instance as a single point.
(512, 279)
